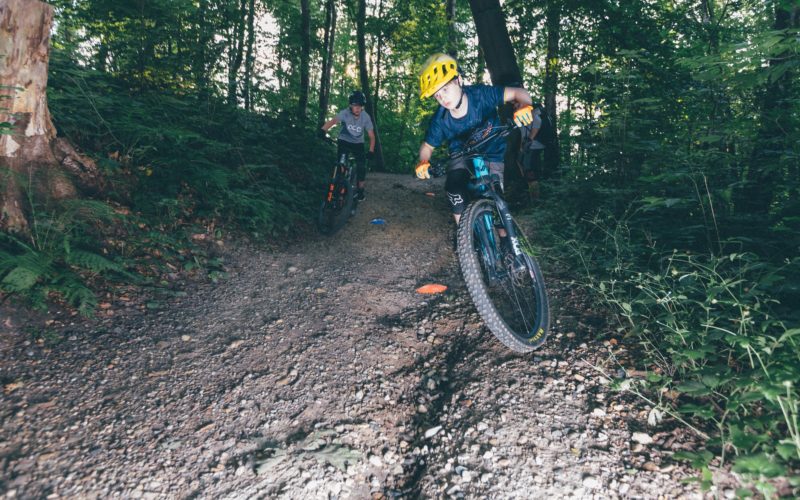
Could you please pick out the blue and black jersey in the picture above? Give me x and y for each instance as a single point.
(481, 115)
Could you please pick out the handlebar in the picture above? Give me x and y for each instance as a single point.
(439, 168)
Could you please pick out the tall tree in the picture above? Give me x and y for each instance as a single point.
(553, 23)
(305, 56)
(495, 42)
(236, 53)
(450, 13)
(327, 62)
(361, 16)
(499, 54)
(249, 59)
(32, 160)
(764, 174)
(379, 160)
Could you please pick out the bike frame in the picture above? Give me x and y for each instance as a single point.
(483, 185)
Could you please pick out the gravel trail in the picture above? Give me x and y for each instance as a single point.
(319, 372)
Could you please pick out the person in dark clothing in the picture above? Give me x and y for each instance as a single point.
(463, 111)
(355, 121)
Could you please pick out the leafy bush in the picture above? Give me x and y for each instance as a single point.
(62, 256)
(172, 162)
(718, 332)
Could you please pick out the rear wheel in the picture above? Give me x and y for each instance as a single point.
(333, 213)
(508, 291)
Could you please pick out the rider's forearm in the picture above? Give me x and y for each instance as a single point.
(425, 152)
(330, 123)
(518, 95)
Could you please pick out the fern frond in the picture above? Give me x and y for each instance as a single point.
(72, 289)
(20, 279)
(91, 261)
(22, 272)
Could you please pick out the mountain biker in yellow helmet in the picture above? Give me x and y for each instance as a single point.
(463, 110)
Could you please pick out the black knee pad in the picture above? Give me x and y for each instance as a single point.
(456, 186)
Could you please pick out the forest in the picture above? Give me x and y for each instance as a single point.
(671, 193)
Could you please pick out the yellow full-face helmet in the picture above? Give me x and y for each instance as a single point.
(436, 72)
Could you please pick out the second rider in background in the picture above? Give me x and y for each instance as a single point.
(464, 110)
(354, 122)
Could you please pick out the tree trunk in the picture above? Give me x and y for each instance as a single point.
(305, 50)
(495, 42)
(327, 63)
(379, 161)
(236, 54)
(450, 12)
(361, 16)
(33, 162)
(480, 66)
(499, 54)
(553, 22)
(362, 51)
(249, 59)
(279, 73)
(102, 54)
(764, 176)
(199, 60)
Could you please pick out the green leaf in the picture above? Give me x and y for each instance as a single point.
(759, 464)
(20, 279)
(710, 381)
(788, 334)
(698, 459)
(787, 451)
(704, 412)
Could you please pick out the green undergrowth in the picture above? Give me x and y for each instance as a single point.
(715, 326)
(182, 174)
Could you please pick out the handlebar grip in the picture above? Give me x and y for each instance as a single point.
(437, 170)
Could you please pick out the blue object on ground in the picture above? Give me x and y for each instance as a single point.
(377, 221)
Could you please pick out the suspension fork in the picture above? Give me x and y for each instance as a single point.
(508, 223)
(340, 171)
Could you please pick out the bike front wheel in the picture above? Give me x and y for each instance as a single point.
(336, 208)
(507, 290)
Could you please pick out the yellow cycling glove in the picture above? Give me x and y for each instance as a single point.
(523, 116)
(422, 169)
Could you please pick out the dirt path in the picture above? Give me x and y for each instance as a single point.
(320, 373)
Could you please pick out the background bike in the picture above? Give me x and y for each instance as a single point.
(339, 202)
(497, 260)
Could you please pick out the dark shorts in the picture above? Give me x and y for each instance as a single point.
(357, 150)
(532, 164)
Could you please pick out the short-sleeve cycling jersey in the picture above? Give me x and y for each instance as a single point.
(353, 127)
(483, 101)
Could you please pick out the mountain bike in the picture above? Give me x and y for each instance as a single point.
(339, 202)
(496, 259)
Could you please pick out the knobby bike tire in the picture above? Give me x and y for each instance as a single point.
(515, 309)
(334, 214)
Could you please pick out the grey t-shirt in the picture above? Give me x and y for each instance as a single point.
(353, 128)
(536, 123)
